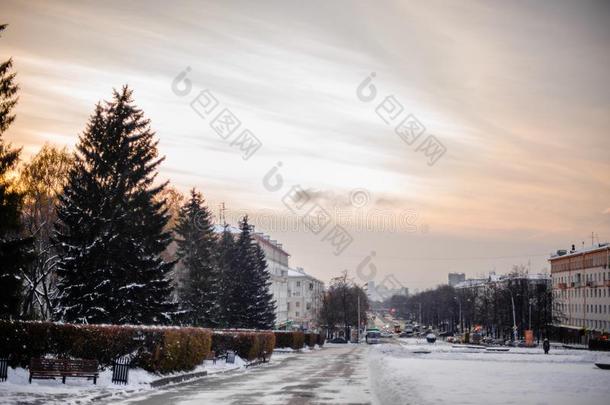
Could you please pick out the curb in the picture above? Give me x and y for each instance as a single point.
(190, 377)
(176, 379)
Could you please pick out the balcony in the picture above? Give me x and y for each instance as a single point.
(562, 286)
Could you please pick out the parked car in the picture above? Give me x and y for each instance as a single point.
(338, 340)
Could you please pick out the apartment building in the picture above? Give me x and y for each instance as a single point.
(304, 301)
(581, 287)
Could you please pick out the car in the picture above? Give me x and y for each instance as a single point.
(338, 340)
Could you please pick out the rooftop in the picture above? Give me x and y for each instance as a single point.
(560, 254)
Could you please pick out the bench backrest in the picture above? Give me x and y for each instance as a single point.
(42, 364)
(70, 365)
(80, 365)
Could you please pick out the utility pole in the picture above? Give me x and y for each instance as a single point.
(514, 318)
(460, 314)
(530, 313)
(221, 217)
(358, 323)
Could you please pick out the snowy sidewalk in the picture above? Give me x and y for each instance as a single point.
(336, 374)
(17, 389)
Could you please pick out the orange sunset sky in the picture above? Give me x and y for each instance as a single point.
(517, 92)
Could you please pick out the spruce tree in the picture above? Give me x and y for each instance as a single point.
(15, 251)
(264, 305)
(110, 230)
(250, 264)
(231, 283)
(196, 251)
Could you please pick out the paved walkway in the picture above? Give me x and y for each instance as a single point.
(335, 374)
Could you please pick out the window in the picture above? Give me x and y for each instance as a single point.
(308, 306)
(298, 283)
(296, 313)
(298, 304)
(310, 286)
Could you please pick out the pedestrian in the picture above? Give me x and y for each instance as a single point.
(546, 345)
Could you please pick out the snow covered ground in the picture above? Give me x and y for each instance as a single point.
(399, 375)
(17, 389)
(390, 373)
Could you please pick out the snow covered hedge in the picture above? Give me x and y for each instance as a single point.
(292, 339)
(249, 344)
(156, 349)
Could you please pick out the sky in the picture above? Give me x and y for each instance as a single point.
(516, 94)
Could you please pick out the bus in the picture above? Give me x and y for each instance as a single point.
(372, 336)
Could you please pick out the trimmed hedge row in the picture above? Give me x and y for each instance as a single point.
(312, 339)
(249, 344)
(156, 349)
(297, 340)
(293, 339)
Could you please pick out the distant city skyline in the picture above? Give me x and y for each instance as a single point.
(518, 96)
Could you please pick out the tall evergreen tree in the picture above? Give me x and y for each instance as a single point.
(197, 254)
(230, 299)
(264, 306)
(15, 252)
(110, 228)
(257, 306)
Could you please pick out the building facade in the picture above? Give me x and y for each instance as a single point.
(455, 278)
(581, 287)
(304, 301)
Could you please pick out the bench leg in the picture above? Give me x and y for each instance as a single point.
(94, 380)
(30, 378)
(63, 379)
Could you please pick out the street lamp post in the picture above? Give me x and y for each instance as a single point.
(512, 300)
(530, 314)
(460, 314)
(358, 322)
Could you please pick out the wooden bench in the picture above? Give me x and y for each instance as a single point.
(51, 368)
